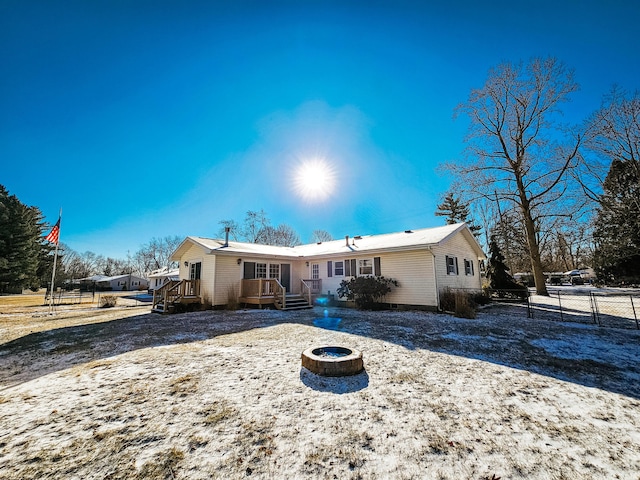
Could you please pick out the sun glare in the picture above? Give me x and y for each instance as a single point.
(314, 180)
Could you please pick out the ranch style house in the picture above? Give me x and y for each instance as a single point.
(215, 272)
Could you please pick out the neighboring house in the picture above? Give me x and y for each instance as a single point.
(216, 272)
(162, 276)
(118, 282)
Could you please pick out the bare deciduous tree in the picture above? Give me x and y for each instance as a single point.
(282, 235)
(155, 254)
(614, 134)
(254, 222)
(321, 236)
(234, 230)
(517, 149)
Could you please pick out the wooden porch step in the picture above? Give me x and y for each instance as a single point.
(160, 308)
(296, 302)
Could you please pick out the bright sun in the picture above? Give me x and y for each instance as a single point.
(314, 180)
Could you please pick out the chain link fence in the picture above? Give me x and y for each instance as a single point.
(63, 297)
(606, 309)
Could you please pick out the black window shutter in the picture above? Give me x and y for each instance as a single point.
(329, 268)
(249, 270)
(456, 259)
(376, 266)
(354, 271)
(347, 268)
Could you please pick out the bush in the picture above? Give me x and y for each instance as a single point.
(367, 292)
(465, 307)
(108, 301)
(232, 298)
(447, 299)
(463, 304)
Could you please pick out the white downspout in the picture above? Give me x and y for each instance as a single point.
(435, 279)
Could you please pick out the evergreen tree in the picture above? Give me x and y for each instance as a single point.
(22, 253)
(617, 225)
(456, 211)
(616, 141)
(500, 280)
(510, 237)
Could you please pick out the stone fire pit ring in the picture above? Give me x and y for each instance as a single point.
(332, 361)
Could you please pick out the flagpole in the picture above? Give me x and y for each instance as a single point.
(53, 273)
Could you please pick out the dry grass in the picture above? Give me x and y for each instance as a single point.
(21, 315)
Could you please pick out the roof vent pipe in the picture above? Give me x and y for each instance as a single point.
(226, 236)
(346, 239)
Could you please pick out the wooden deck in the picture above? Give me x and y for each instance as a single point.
(269, 291)
(265, 300)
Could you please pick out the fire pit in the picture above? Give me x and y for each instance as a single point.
(331, 361)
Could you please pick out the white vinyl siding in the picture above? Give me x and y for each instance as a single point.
(228, 275)
(456, 246)
(413, 270)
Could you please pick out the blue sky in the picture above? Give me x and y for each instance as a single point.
(145, 119)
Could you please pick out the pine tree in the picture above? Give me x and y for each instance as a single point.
(500, 280)
(617, 225)
(21, 248)
(456, 211)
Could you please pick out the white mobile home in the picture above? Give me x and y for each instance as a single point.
(117, 282)
(215, 272)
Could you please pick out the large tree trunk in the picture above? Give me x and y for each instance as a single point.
(534, 248)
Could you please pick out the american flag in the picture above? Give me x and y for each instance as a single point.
(54, 234)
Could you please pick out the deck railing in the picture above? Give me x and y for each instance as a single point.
(174, 290)
(310, 287)
(264, 288)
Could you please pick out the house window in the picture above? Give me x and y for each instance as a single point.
(452, 265)
(274, 270)
(261, 270)
(468, 267)
(365, 267)
(339, 269)
(315, 271)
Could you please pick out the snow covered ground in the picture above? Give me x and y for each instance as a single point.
(223, 395)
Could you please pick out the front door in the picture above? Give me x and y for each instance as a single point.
(195, 270)
(285, 276)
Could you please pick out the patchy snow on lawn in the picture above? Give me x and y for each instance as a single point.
(223, 395)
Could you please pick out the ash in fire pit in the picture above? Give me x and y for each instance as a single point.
(331, 361)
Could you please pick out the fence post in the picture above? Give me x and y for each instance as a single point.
(560, 306)
(596, 311)
(635, 316)
(592, 305)
(529, 308)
